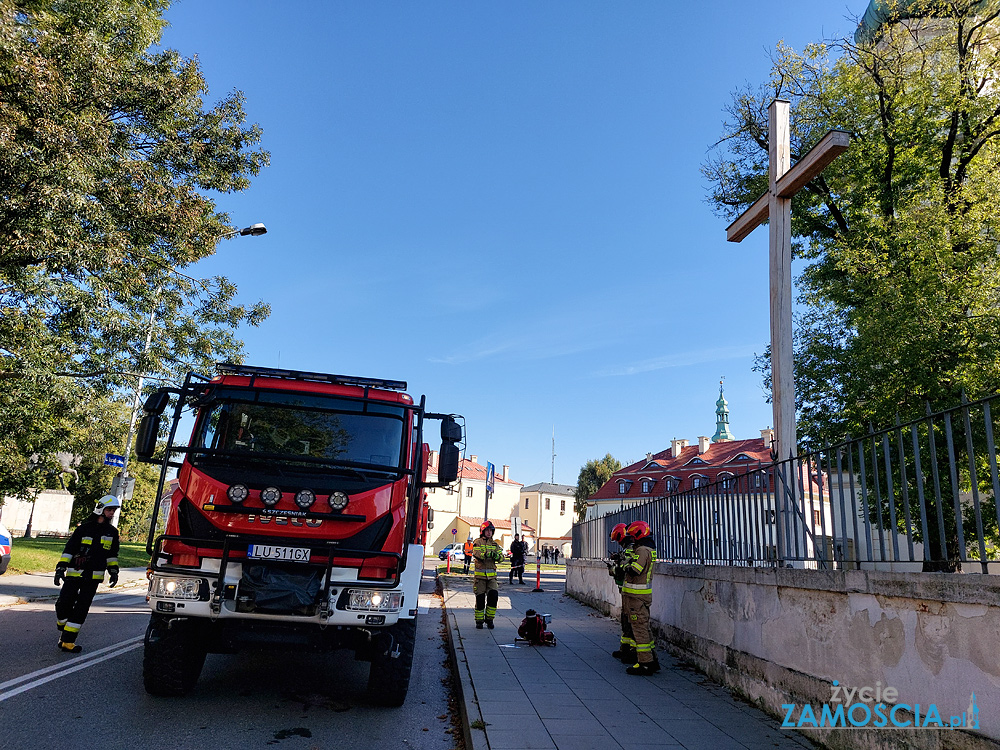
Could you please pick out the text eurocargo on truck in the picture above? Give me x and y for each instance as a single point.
(298, 521)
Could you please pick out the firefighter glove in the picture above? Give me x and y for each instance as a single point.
(112, 578)
(60, 574)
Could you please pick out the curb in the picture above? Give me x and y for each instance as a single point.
(9, 600)
(474, 740)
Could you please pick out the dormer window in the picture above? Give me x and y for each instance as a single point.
(697, 461)
(699, 481)
(728, 481)
(743, 457)
(623, 487)
(647, 486)
(671, 484)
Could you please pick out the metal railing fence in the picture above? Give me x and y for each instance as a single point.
(924, 495)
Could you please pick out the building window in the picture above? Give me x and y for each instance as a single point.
(526, 501)
(546, 503)
(451, 490)
(698, 481)
(727, 481)
(670, 484)
(622, 488)
(768, 515)
(431, 490)
(816, 518)
(647, 486)
(468, 492)
(562, 507)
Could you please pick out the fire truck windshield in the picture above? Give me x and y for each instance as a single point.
(296, 428)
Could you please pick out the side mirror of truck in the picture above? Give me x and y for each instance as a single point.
(156, 402)
(145, 438)
(451, 433)
(448, 463)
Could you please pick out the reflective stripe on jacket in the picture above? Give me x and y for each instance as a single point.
(486, 553)
(639, 572)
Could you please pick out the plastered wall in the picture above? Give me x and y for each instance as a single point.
(782, 636)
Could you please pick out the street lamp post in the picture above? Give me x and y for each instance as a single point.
(119, 491)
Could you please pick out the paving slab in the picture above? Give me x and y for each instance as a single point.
(574, 695)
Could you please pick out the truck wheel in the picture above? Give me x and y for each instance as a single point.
(388, 677)
(172, 659)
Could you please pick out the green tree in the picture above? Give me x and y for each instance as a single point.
(108, 156)
(593, 475)
(899, 235)
(898, 293)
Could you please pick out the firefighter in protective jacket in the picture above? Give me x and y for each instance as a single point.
(92, 549)
(616, 569)
(637, 595)
(487, 554)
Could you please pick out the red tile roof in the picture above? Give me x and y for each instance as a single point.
(720, 458)
(471, 470)
(476, 521)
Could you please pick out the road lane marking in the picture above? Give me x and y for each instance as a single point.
(61, 670)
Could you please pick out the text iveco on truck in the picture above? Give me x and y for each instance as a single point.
(298, 521)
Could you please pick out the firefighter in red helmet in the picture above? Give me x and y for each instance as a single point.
(637, 595)
(487, 553)
(616, 569)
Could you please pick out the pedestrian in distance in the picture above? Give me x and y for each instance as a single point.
(487, 554)
(467, 551)
(616, 569)
(545, 554)
(518, 550)
(92, 549)
(555, 555)
(637, 596)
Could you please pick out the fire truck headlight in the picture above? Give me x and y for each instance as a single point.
(338, 500)
(270, 496)
(237, 493)
(374, 601)
(305, 498)
(175, 588)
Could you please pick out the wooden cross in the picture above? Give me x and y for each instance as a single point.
(775, 206)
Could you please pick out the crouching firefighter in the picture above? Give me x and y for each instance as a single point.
(616, 569)
(92, 549)
(487, 554)
(637, 595)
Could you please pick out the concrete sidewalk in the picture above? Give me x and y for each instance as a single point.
(575, 696)
(32, 587)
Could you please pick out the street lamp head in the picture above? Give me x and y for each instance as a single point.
(254, 230)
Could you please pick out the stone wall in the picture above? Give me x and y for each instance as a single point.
(782, 636)
(52, 510)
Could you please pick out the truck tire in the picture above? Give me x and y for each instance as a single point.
(388, 677)
(172, 658)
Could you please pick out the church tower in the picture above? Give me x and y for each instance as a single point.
(722, 432)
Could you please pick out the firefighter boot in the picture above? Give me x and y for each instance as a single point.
(489, 624)
(642, 669)
(626, 654)
(69, 648)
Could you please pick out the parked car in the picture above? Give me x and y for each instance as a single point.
(5, 544)
(454, 551)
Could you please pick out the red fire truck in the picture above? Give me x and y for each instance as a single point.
(297, 522)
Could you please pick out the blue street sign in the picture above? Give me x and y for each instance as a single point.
(489, 478)
(110, 459)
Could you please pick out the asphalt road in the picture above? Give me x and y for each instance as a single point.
(286, 700)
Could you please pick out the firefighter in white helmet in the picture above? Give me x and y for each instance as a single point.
(92, 549)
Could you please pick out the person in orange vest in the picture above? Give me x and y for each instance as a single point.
(467, 550)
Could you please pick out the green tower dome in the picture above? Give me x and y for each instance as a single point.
(722, 432)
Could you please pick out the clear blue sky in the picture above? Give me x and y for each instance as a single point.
(501, 204)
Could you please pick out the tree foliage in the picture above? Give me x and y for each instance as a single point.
(899, 292)
(593, 475)
(108, 154)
